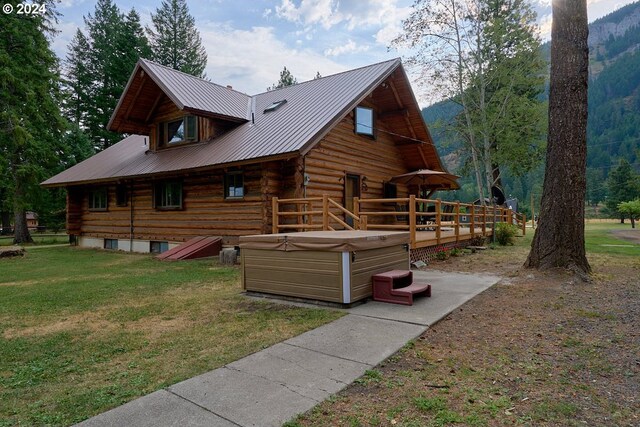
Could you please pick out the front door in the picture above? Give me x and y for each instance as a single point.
(351, 190)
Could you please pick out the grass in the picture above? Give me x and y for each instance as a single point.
(82, 331)
(598, 237)
(537, 349)
(43, 239)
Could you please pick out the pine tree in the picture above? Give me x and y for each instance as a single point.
(175, 41)
(98, 67)
(30, 121)
(77, 82)
(286, 79)
(559, 239)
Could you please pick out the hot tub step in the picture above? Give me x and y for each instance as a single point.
(397, 287)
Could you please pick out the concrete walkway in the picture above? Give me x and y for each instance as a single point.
(272, 386)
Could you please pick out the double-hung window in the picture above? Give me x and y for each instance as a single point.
(98, 199)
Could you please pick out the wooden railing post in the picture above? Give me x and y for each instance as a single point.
(457, 220)
(356, 212)
(484, 221)
(438, 219)
(472, 220)
(325, 212)
(363, 222)
(524, 224)
(412, 220)
(274, 215)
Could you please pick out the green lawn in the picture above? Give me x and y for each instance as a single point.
(82, 331)
(38, 239)
(599, 240)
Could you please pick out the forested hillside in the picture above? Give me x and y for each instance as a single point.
(614, 107)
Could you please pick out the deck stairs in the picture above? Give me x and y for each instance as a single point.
(198, 247)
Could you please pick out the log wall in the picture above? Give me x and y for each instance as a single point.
(344, 152)
(205, 211)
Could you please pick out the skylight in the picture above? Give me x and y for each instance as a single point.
(274, 106)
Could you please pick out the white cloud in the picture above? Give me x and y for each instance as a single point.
(62, 40)
(384, 15)
(349, 47)
(251, 60)
(310, 12)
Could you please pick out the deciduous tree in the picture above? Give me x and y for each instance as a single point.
(559, 239)
(631, 209)
(624, 185)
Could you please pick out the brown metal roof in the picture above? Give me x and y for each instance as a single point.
(186, 91)
(311, 110)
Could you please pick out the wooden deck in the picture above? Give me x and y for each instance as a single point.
(429, 222)
(426, 239)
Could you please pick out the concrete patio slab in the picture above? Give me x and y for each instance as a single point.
(448, 291)
(306, 372)
(160, 408)
(359, 339)
(245, 399)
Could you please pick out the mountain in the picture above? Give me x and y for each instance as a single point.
(613, 129)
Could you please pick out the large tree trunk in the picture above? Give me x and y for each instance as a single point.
(21, 231)
(559, 240)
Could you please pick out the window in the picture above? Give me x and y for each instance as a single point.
(364, 121)
(111, 244)
(98, 199)
(122, 195)
(390, 190)
(158, 247)
(173, 132)
(168, 195)
(233, 185)
(274, 106)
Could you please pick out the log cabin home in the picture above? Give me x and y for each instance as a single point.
(206, 160)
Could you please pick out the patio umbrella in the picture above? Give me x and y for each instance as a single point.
(428, 179)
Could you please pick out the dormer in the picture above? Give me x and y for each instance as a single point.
(174, 108)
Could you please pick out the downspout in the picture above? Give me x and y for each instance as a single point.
(131, 216)
(304, 175)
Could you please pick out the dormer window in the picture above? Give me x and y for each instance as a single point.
(184, 129)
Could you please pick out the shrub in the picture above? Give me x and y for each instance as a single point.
(505, 233)
(442, 253)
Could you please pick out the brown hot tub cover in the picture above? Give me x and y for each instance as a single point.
(331, 241)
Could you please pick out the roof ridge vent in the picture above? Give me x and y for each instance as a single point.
(274, 106)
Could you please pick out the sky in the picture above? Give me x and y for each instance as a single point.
(248, 42)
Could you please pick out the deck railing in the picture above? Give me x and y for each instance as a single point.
(411, 214)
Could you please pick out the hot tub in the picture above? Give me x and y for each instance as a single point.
(333, 266)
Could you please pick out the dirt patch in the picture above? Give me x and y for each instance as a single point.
(537, 349)
(631, 235)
